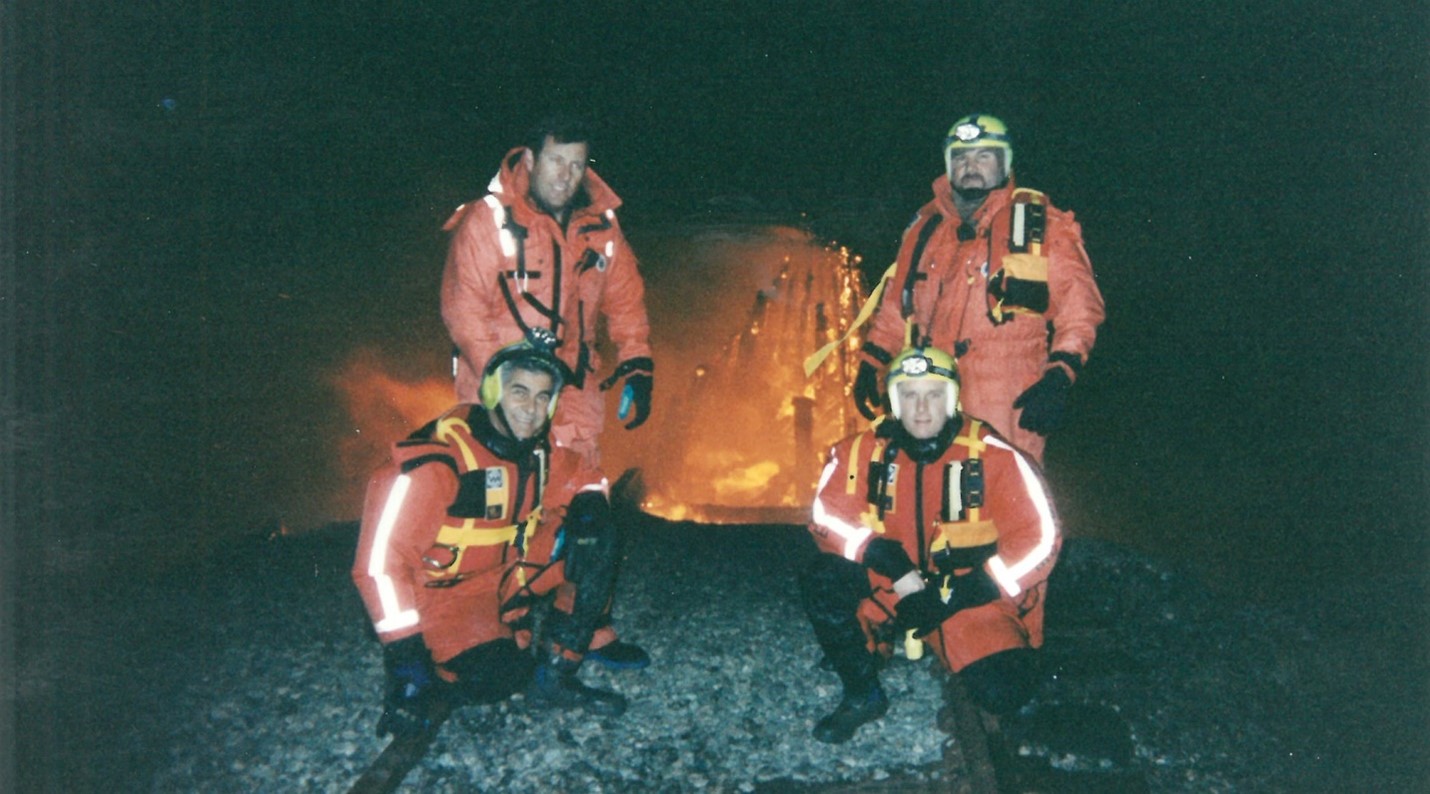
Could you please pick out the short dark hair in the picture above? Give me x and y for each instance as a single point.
(532, 361)
(561, 128)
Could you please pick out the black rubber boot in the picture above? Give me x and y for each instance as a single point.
(857, 708)
(831, 589)
(555, 685)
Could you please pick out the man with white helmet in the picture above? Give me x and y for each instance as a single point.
(930, 523)
(997, 275)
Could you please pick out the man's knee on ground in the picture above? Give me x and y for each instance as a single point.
(1003, 682)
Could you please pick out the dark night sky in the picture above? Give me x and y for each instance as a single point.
(205, 201)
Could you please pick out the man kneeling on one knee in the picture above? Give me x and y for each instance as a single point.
(477, 519)
(933, 524)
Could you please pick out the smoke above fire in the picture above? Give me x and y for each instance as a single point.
(383, 404)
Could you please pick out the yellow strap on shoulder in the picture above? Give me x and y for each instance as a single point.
(851, 480)
(865, 312)
(975, 444)
(446, 432)
(1033, 196)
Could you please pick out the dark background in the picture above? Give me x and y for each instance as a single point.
(208, 206)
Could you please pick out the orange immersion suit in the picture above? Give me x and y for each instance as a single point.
(511, 267)
(980, 503)
(457, 540)
(941, 284)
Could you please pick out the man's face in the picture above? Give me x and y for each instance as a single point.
(923, 406)
(525, 399)
(556, 173)
(975, 169)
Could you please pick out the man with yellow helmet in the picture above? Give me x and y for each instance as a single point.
(934, 526)
(476, 519)
(997, 275)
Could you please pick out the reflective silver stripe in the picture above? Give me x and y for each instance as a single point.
(854, 536)
(508, 243)
(394, 617)
(1007, 574)
(1020, 231)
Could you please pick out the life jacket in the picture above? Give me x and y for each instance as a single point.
(484, 521)
(965, 539)
(1019, 282)
(1017, 267)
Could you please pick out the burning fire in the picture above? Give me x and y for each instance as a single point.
(737, 430)
(381, 408)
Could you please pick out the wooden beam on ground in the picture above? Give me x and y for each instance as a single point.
(401, 754)
(967, 759)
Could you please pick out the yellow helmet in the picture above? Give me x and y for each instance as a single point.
(922, 362)
(532, 353)
(979, 131)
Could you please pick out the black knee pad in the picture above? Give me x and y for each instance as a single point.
(1004, 682)
(491, 671)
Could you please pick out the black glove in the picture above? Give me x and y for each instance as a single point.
(411, 685)
(887, 558)
(638, 388)
(973, 589)
(867, 397)
(1044, 401)
(922, 611)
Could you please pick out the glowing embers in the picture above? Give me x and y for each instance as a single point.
(744, 429)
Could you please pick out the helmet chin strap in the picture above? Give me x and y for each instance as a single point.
(972, 195)
(925, 450)
(500, 439)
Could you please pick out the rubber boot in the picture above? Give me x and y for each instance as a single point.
(555, 685)
(859, 705)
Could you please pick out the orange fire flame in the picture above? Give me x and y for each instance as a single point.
(736, 431)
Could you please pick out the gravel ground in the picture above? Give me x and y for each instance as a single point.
(260, 675)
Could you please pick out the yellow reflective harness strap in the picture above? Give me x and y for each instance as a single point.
(461, 538)
(851, 481)
(528, 528)
(447, 431)
(467, 535)
(865, 312)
